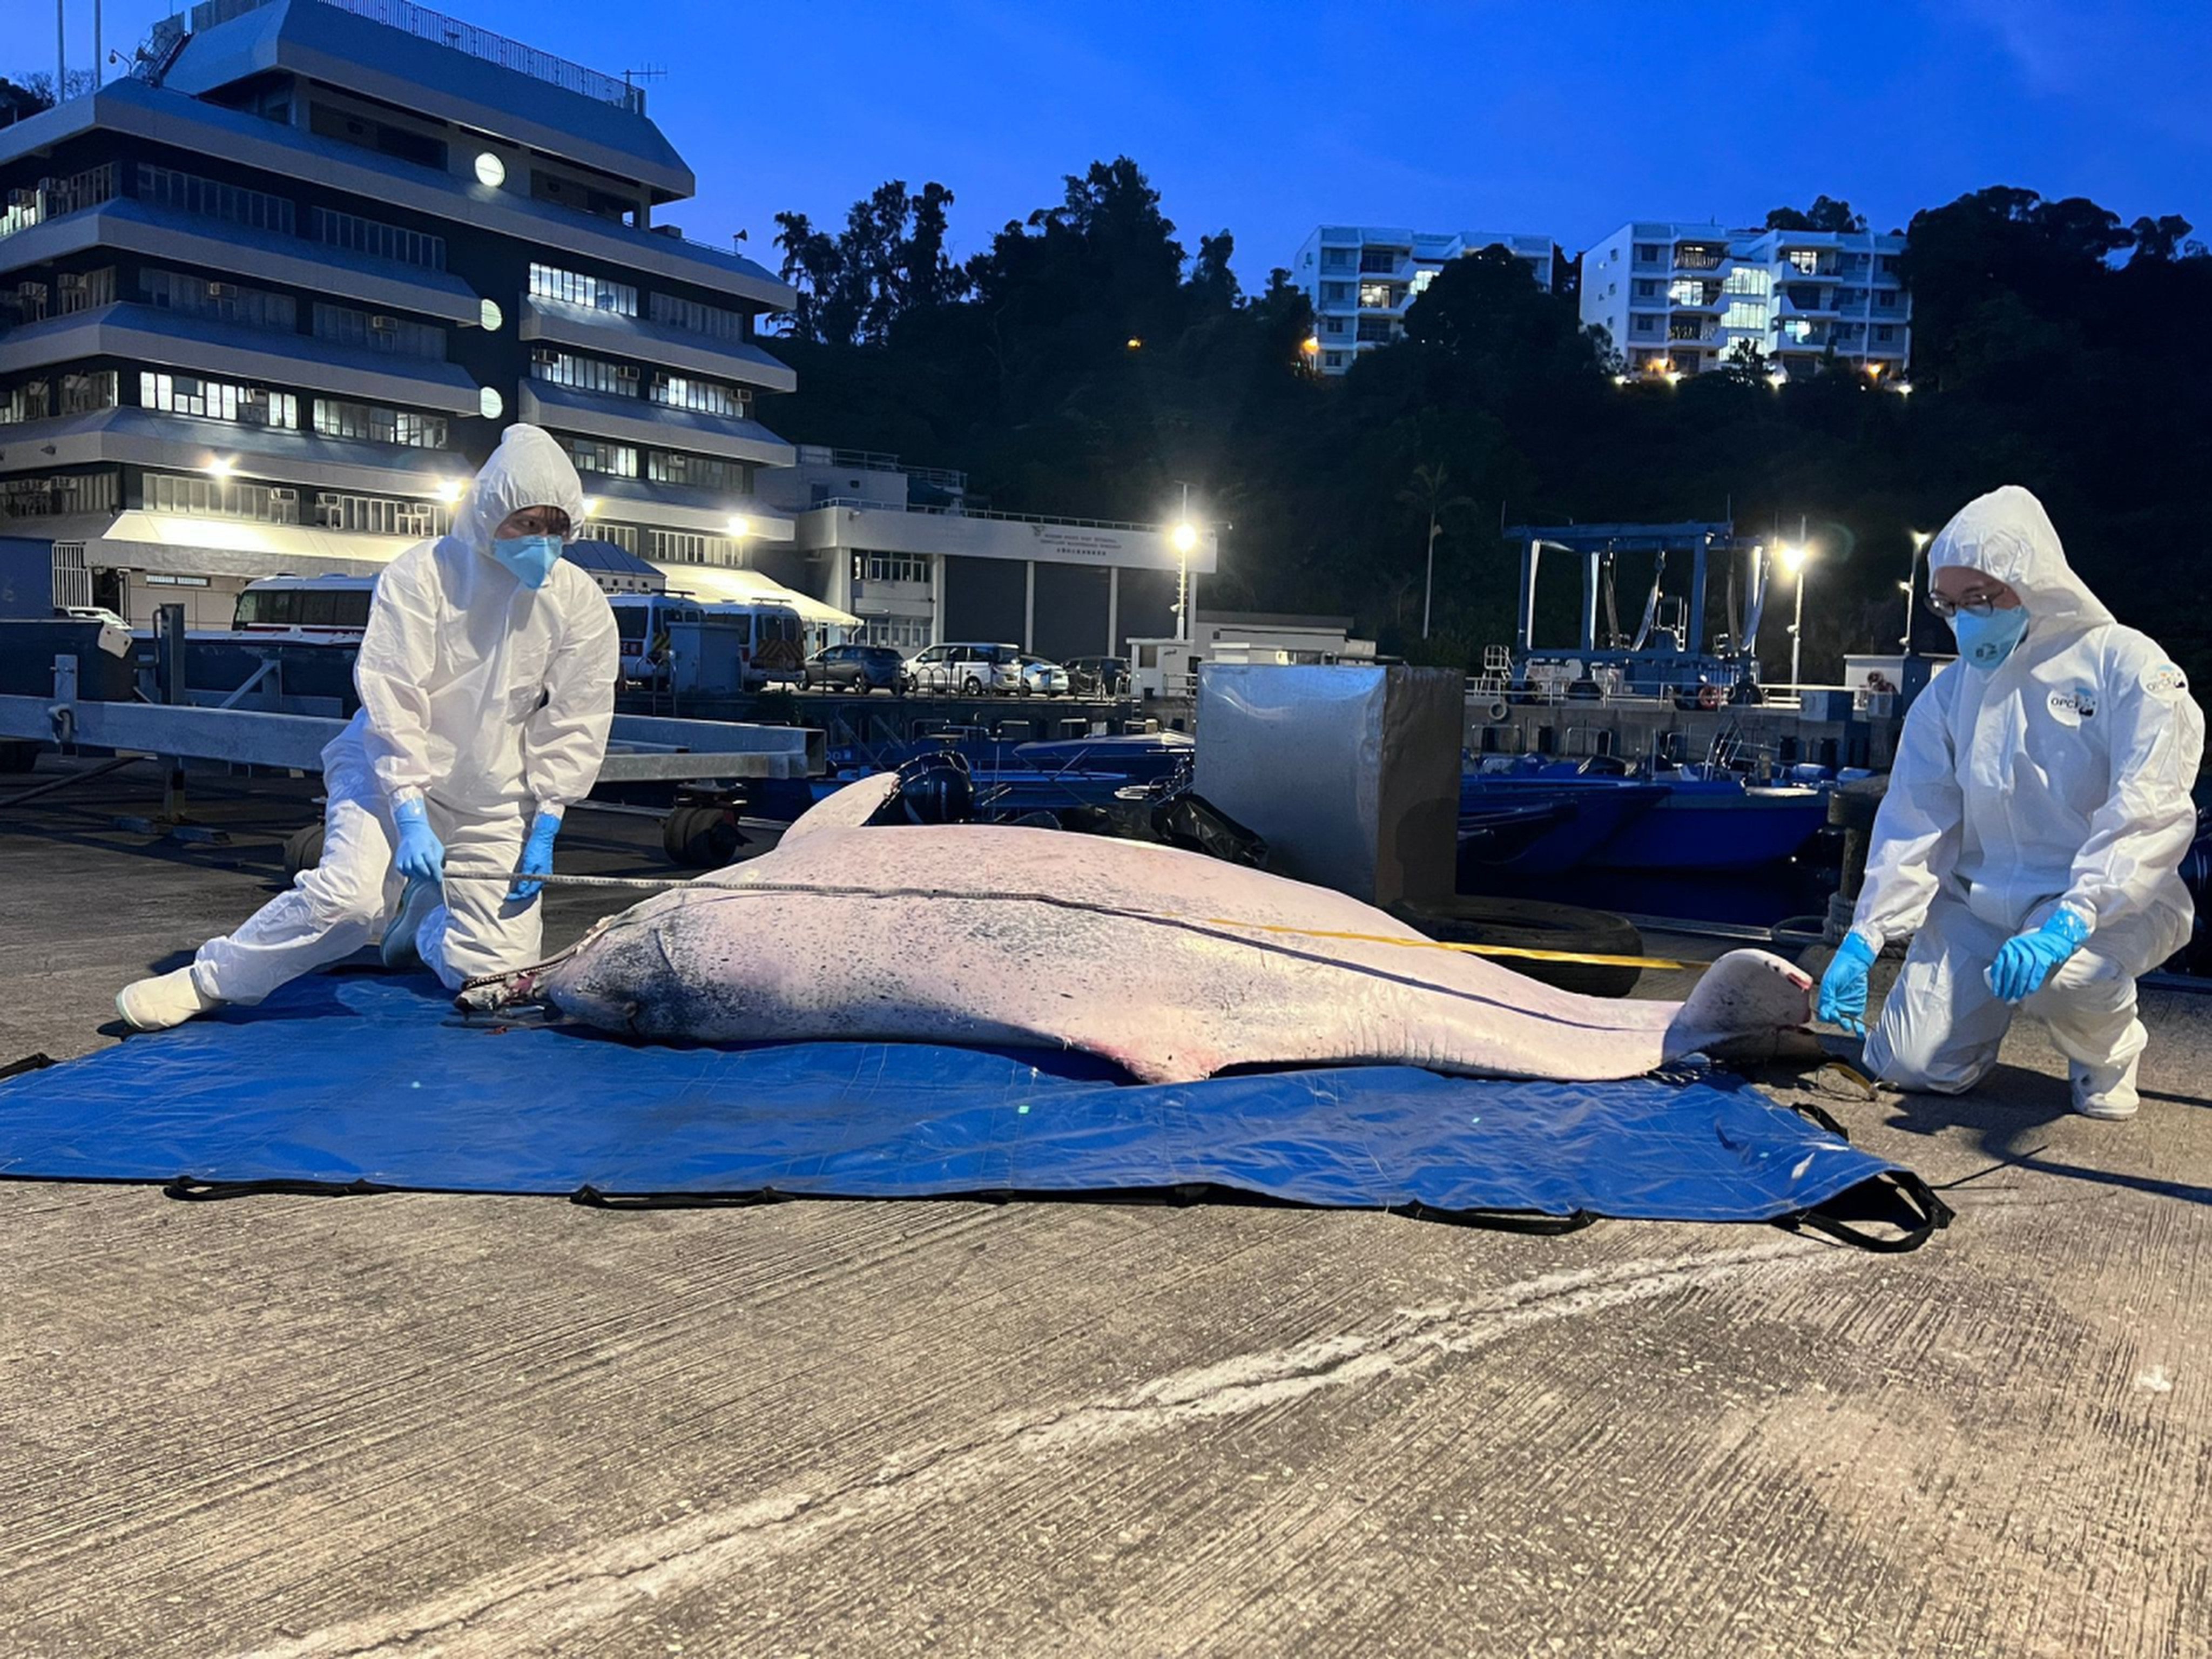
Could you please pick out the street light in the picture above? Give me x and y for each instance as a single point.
(1795, 555)
(221, 466)
(1184, 539)
(1920, 539)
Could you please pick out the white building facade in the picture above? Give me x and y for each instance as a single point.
(266, 305)
(905, 550)
(1677, 299)
(1360, 279)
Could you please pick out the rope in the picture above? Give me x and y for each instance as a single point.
(658, 883)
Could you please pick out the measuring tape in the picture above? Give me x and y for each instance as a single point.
(656, 885)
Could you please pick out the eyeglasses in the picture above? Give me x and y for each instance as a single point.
(1980, 606)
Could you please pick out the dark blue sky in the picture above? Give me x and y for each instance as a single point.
(1566, 117)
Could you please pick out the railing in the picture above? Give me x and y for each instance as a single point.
(51, 198)
(427, 25)
(875, 460)
(1008, 517)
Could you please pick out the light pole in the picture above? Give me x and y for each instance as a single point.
(1429, 582)
(1794, 557)
(1184, 539)
(1911, 580)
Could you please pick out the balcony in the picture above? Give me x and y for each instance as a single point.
(153, 336)
(675, 507)
(164, 234)
(665, 347)
(185, 443)
(634, 421)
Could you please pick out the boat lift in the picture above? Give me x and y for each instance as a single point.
(1667, 655)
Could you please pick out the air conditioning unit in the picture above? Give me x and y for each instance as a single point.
(222, 290)
(384, 324)
(73, 284)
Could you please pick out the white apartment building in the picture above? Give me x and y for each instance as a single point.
(1676, 298)
(1360, 279)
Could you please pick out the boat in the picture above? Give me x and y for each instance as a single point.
(1716, 823)
(1541, 821)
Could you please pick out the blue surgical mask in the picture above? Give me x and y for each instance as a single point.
(532, 558)
(1985, 641)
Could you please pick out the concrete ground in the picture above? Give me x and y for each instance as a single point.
(408, 1424)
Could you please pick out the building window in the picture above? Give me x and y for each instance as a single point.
(891, 567)
(50, 198)
(25, 302)
(84, 290)
(1747, 315)
(695, 319)
(188, 192)
(229, 302)
(585, 374)
(1375, 330)
(1337, 259)
(685, 547)
(906, 634)
(1686, 328)
(596, 455)
(63, 496)
(380, 516)
(1374, 296)
(371, 331)
(573, 288)
(1686, 291)
(199, 497)
(81, 394)
(623, 536)
(1647, 327)
(377, 239)
(218, 400)
(1332, 360)
(1379, 259)
(1886, 300)
(1887, 264)
(700, 472)
(24, 401)
(1334, 325)
(1648, 253)
(1804, 259)
(701, 397)
(1336, 294)
(1647, 287)
(367, 422)
(1885, 335)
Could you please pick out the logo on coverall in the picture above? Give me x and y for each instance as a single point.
(2167, 682)
(2072, 708)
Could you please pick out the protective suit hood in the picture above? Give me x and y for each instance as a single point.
(528, 469)
(2007, 535)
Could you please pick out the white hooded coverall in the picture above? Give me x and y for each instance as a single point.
(2060, 776)
(489, 701)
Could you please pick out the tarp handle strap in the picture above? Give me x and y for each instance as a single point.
(28, 1063)
(193, 1190)
(1918, 1196)
(1823, 1116)
(593, 1198)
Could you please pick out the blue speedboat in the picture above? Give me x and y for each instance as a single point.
(1539, 820)
(1716, 823)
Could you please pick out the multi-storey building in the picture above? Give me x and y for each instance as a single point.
(265, 306)
(1360, 280)
(1678, 298)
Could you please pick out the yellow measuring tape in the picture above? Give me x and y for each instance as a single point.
(1525, 952)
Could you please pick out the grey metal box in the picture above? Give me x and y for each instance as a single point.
(1352, 773)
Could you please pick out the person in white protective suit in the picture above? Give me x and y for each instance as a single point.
(2038, 813)
(487, 678)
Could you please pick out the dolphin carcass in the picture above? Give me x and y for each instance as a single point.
(1159, 960)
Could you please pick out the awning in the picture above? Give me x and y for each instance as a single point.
(721, 586)
(173, 543)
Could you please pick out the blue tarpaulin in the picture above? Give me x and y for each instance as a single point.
(342, 1079)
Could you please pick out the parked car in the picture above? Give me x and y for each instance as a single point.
(967, 667)
(1043, 677)
(1099, 676)
(861, 668)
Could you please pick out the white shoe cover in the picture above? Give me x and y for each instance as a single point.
(167, 1000)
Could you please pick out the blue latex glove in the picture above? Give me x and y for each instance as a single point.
(2026, 960)
(422, 855)
(536, 858)
(1844, 987)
